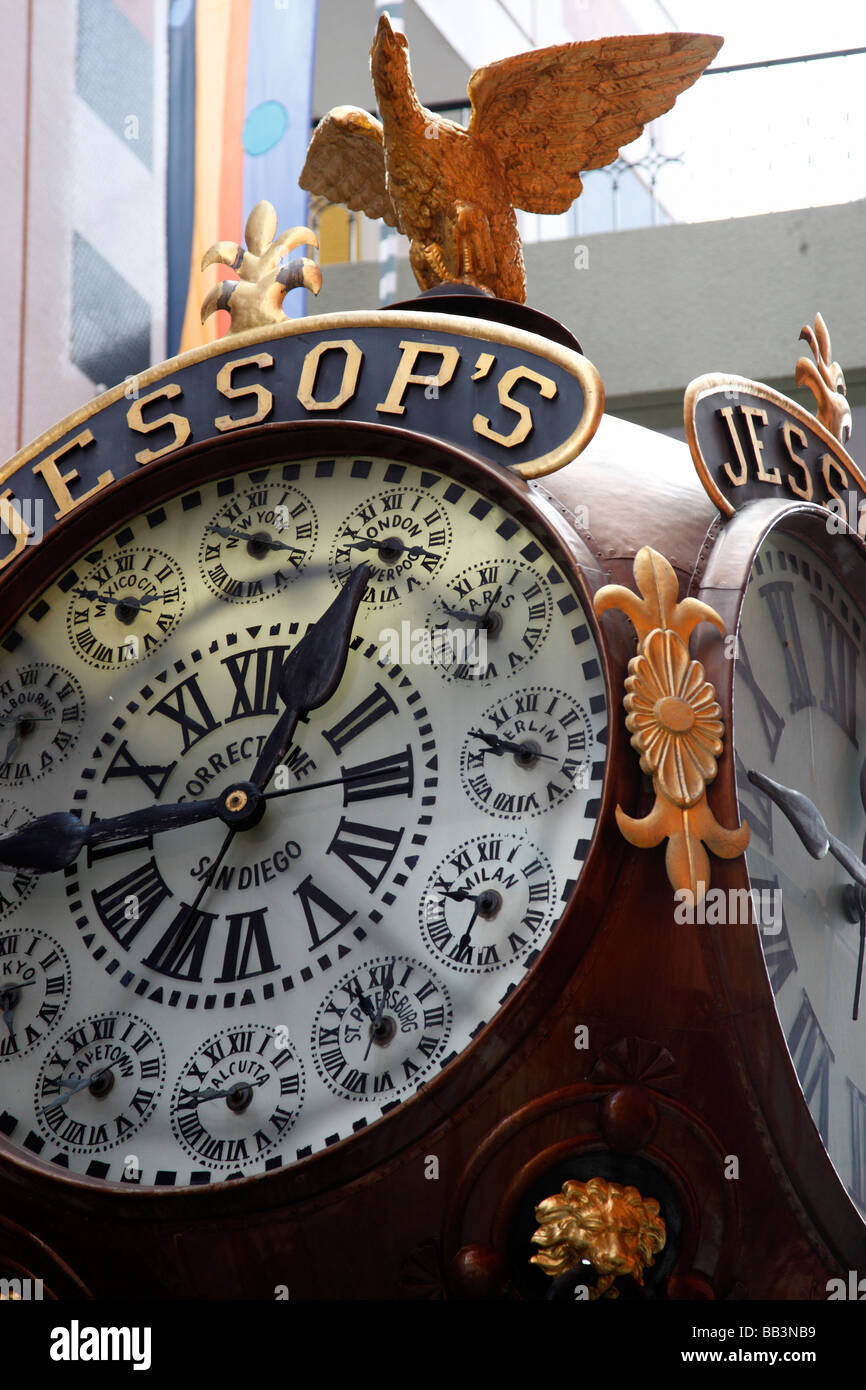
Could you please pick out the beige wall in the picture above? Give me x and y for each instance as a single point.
(659, 306)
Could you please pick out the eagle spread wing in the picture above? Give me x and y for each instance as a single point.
(346, 163)
(553, 112)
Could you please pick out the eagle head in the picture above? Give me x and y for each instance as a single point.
(389, 46)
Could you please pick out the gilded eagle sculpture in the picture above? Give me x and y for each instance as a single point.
(538, 120)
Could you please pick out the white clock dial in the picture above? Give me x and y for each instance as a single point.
(237, 950)
(800, 719)
(258, 540)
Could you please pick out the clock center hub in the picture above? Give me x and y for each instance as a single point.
(383, 1031)
(243, 806)
(674, 714)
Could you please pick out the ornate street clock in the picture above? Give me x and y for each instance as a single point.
(341, 946)
(243, 994)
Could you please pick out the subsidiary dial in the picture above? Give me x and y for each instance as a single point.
(125, 606)
(34, 989)
(41, 713)
(488, 902)
(527, 753)
(404, 534)
(490, 620)
(100, 1083)
(237, 1097)
(380, 1031)
(258, 541)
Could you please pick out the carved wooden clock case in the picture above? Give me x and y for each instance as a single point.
(453, 985)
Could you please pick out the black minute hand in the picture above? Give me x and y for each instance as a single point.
(312, 671)
(812, 830)
(810, 825)
(309, 676)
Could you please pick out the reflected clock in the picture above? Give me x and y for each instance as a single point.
(799, 719)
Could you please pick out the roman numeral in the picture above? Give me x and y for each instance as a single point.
(247, 942)
(858, 1143)
(141, 1100)
(180, 951)
(780, 602)
(377, 704)
(772, 723)
(146, 885)
(391, 776)
(756, 804)
(256, 677)
(124, 764)
(779, 955)
(317, 907)
(840, 671)
(812, 1058)
(356, 843)
(194, 722)
(219, 575)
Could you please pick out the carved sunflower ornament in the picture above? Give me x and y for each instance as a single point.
(675, 725)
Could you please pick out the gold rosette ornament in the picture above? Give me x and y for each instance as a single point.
(673, 717)
(675, 725)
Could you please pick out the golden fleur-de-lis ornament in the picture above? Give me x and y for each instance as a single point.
(675, 725)
(826, 381)
(256, 297)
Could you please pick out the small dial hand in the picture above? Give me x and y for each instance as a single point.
(460, 614)
(523, 752)
(8, 1000)
(129, 603)
(458, 894)
(376, 1026)
(360, 998)
(237, 1091)
(256, 538)
(391, 547)
(26, 718)
(463, 943)
(73, 1084)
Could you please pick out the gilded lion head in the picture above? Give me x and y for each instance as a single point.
(614, 1228)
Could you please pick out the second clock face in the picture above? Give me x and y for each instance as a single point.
(800, 719)
(216, 1005)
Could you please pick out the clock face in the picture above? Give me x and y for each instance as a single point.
(210, 1004)
(800, 719)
